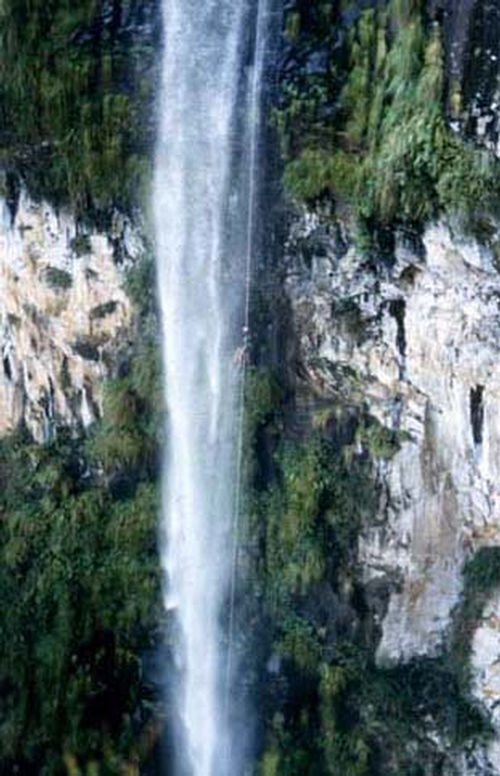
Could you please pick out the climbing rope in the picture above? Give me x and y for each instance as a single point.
(254, 142)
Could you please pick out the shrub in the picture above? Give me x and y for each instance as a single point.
(79, 582)
(87, 347)
(482, 572)
(387, 149)
(73, 91)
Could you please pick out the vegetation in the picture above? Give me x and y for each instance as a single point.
(481, 580)
(367, 127)
(103, 310)
(81, 244)
(378, 440)
(79, 572)
(77, 580)
(329, 710)
(58, 279)
(80, 584)
(385, 146)
(74, 90)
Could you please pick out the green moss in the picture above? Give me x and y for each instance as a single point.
(103, 310)
(378, 440)
(81, 245)
(58, 279)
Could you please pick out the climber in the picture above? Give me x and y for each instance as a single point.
(241, 355)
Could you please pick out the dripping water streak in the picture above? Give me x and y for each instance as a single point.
(254, 132)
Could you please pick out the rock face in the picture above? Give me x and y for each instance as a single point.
(485, 663)
(63, 309)
(472, 29)
(415, 342)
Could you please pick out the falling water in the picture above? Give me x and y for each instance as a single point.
(204, 206)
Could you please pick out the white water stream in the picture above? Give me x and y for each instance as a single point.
(204, 209)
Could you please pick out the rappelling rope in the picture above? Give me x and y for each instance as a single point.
(254, 140)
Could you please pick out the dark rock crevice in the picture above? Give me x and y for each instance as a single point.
(477, 413)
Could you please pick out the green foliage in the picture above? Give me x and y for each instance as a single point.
(380, 441)
(263, 398)
(73, 94)
(87, 347)
(300, 644)
(102, 310)
(311, 517)
(80, 582)
(354, 718)
(481, 577)
(317, 172)
(270, 763)
(292, 26)
(330, 709)
(304, 92)
(389, 151)
(140, 284)
(81, 244)
(128, 434)
(482, 572)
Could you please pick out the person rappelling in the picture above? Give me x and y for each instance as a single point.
(242, 353)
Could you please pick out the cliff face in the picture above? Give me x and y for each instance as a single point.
(414, 342)
(64, 312)
(78, 495)
(393, 343)
(79, 568)
(471, 30)
(394, 350)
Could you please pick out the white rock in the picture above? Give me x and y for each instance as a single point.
(442, 490)
(485, 666)
(44, 380)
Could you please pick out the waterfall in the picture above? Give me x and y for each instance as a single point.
(204, 212)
